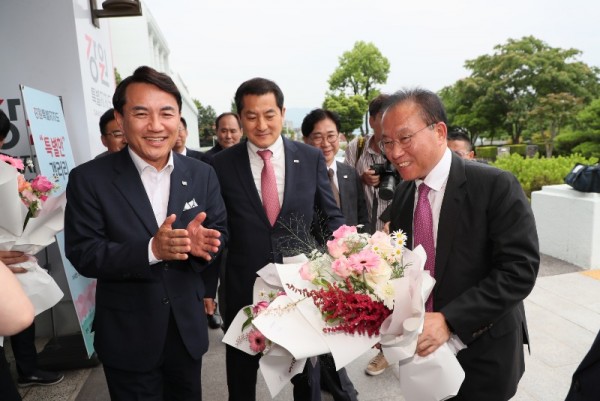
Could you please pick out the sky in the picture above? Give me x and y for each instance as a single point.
(215, 45)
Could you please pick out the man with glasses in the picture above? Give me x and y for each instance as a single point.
(478, 231)
(110, 133)
(459, 143)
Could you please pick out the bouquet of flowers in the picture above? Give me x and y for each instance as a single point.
(29, 220)
(361, 290)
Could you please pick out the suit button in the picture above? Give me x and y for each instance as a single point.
(165, 266)
(165, 301)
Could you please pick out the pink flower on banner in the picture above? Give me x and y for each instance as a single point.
(365, 260)
(343, 232)
(257, 341)
(259, 307)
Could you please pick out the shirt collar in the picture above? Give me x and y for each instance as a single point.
(141, 164)
(276, 147)
(439, 175)
(333, 166)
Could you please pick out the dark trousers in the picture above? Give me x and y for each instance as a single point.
(242, 372)
(176, 378)
(8, 391)
(23, 346)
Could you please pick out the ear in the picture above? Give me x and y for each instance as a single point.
(305, 138)
(441, 130)
(103, 139)
(119, 119)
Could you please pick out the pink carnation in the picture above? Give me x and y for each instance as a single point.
(365, 260)
(344, 231)
(337, 247)
(342, 267)
(259, 307)
(41, 184)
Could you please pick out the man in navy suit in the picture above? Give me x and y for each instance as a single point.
(484, 245)
(301, 185)
(585, 385)
(146, 223)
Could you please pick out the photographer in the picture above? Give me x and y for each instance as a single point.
(375, 171)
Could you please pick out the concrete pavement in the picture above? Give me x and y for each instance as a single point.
(563, 313)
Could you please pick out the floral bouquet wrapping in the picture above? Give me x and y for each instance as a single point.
(360, 291)
(28, 222)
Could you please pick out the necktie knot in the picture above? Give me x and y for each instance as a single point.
(265, 154)
(330, 173)
(423, 190)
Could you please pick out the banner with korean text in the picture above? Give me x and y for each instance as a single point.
(50, 140)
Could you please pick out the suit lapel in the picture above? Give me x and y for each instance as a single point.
(292, 162)
(343, 186)
(452, 205)
(404, 203)
(180, 189)
(129, 183)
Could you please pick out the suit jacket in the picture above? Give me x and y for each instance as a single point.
(210, 153)
(585, 385)
(108, 224)
(486, 263)
(352, 197)
(253, 243)
(195, 154)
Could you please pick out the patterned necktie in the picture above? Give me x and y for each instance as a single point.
(268, 187)
(423, 222)
(334, 188)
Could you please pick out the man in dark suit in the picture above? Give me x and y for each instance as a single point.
(146, 223)
(585, 385)
(482, 245)
(291, 181)
(229, 133)
(181, 141)
(110, 133)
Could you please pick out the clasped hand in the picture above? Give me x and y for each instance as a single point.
(14, 258)
(435, 333)
(177, 244)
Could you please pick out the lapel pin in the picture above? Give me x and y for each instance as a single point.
(184, 183)
(296, 161)
(345, 176)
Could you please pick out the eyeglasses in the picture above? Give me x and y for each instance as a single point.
(115, 134)
(318, 139)
(404, 142)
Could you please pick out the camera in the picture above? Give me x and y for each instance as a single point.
(388, 180)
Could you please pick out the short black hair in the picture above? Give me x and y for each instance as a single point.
(183, 122)
(430, 105)
(146, 75)
(257, 86)
(4, 125)
(218, 120)
(376, 105)
(317, 115)
(107, 117)
(459, 134)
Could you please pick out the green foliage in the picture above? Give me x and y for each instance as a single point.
(535, 172)
(118, 78)
(486, 152)
(588, 149)
(525, 84)
(206, 122)
(520, 149)
(359, 72)
(351, 110)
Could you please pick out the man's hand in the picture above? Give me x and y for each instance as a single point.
(210, 306)
(170, 244)
(204, 240)
(14, 258)
(370, 178)
(435, 333)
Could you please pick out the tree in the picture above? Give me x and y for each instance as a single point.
(359, 72)
(206, 122)
(350, 109)
(504, 88)
(551, 113)
(583, 137)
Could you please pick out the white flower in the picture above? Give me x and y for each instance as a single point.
(386, 293)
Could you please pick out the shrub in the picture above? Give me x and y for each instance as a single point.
(518, 149)
(486, 152)
(535, 172)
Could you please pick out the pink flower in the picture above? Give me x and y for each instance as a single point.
(41, 184)
(344, 231)
(337, 247)
(257, 341)
(259, 307)
(342, 267)
(16, 163)
(365, 260)
(306, 272)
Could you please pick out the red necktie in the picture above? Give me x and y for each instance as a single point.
(423, 222)
(268, 187)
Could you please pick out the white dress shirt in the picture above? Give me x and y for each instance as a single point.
(277, 161)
